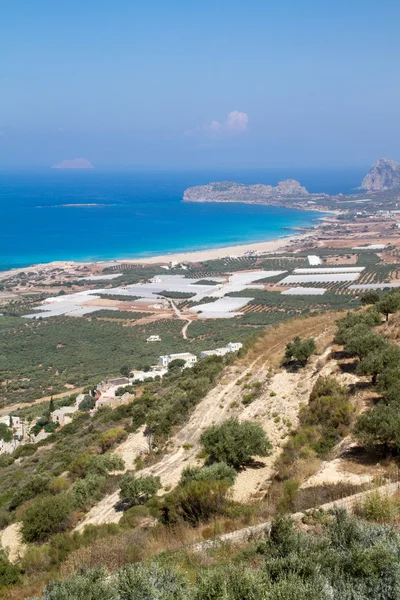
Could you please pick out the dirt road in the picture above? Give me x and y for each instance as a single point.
(12, 407)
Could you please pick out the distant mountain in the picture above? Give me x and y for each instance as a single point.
(75, 163)
(228, 191)
(384, 175)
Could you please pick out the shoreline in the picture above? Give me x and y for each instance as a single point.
(188, 256)
(193, 256)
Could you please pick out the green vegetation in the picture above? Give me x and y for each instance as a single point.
(380, 425)
(322, 423)
(138, 490)
(216, 472)
(39, 358)
(234, 442)
(46, 516)
(299, 351)
(177, 295)
(342, 558)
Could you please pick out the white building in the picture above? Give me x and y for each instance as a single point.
(154, 338)
(190, 359)
(216, 352)
(234, 346)
(62, 416)
(156, 371)
(231, 347)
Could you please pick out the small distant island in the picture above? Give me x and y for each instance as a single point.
(74, 163)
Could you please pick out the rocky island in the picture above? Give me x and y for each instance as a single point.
(75, 163)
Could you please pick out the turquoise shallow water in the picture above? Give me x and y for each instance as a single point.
(137, 214)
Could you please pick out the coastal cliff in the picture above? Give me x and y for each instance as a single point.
(384, 175)
(228, 191)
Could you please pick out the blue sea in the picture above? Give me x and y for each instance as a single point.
(140, 214)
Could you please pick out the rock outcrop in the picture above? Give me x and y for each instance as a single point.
(384, 175)
(228, 191)
(75, 163)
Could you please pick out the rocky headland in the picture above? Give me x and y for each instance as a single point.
(228, 191)
(384, 175)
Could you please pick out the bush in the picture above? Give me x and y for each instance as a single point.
(137, 490)
(9, 573)
(5, 433)
(152, 582)
(37, 484)
(90, 585)
(103, 464)
(87, 403)
(85, 491)
(216, 472)
(110, 438)
(299, 350)
(24, 450)
(378, 508)
(45, 516)
(195, 502)
(58, 485)
(234, 443)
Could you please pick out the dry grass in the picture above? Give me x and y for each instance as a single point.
(272, 345)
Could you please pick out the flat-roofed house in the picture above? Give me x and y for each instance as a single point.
(230, 347)
(63, 415)
(190, 359)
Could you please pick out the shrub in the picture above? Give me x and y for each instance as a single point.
(87, 585)
(45, 516)
(137, 490)
(378, 508)
(5, 433)
(234, 443)
(152, 582)
(110, 438)
(194, 502)
(85, 491)
(58, 485)
(24, 450)
(9, 573)
(299, 350)
(87, 403)
(103, 464)
(35, 485)
(216, 472)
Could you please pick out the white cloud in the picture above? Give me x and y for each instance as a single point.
(236, 122)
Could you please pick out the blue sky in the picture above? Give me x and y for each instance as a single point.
(184, 83)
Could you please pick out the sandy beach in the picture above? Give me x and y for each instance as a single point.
(179, 257)
(215, 253)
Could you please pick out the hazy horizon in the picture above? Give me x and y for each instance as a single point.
(217, 84)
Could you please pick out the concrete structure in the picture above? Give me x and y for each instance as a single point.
(156, 371)
(112, 401)
(230, 347)
(154, 338)
(314, 260)
(190, 359)
(63, 415)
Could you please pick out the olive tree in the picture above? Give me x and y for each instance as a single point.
(137, 490)
(299, 350)
(234, 442)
